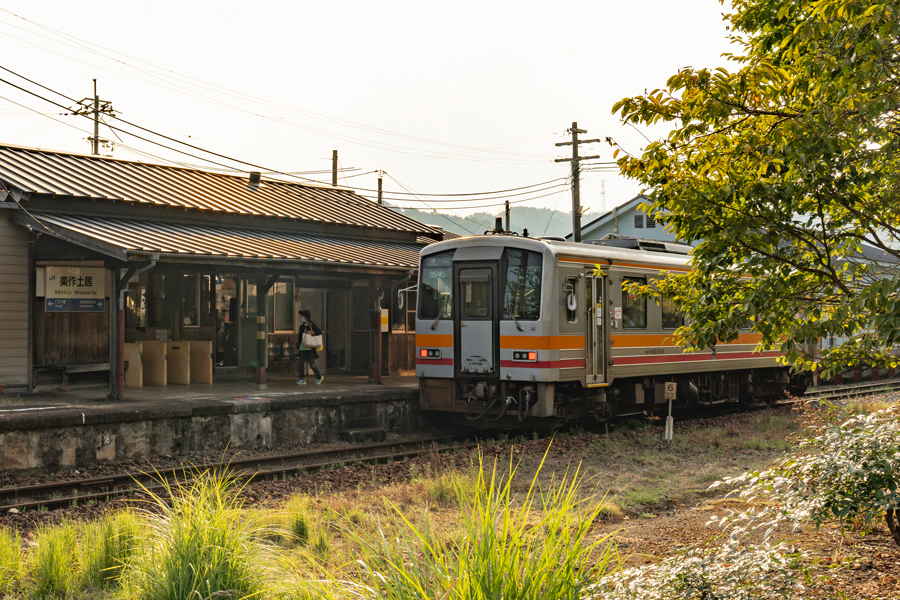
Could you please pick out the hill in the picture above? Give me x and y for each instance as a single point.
(538, 221)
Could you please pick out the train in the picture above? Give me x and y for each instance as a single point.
(532, 333)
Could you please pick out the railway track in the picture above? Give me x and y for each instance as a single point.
(854, 391)
(68, 493)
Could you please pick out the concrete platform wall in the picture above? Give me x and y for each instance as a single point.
(68, 439)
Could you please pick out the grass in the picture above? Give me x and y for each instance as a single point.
(297, 520)
(487, 529)
(52, 560)
(11, 563)
(536, 546)
(107, 546)
(200, 544)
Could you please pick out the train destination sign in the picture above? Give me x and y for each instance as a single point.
(75, 289)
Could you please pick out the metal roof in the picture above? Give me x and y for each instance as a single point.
(65, 176)
(122, 236)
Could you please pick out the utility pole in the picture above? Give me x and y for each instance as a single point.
(334, 164)
(507, 217)
(380, 199)
(95, 107)
(576, 170)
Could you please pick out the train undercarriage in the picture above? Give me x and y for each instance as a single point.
(496, 404)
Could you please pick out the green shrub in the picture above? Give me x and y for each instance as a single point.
(11, 562)
(537, 549)
(731, 572)
(106, 546)
(51, 560)
(846, 473)
(201, 544)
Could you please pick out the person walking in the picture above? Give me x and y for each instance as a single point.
(308, 355)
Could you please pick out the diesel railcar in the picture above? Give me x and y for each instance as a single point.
(534, 332)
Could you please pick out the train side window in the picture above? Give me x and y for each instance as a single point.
(634, 308)
(571, 287)
(672, 317)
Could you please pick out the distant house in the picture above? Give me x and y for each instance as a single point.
(626, 220)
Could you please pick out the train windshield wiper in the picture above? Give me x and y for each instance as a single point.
(513, 313)
(440, 314)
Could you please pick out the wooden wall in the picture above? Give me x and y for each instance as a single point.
(401, 352)
(14, 297)
(61, 338)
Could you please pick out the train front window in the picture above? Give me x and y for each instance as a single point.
(522, 285)
(436, 286)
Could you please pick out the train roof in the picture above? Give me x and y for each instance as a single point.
(660, 257)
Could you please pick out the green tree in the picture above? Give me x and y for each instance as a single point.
(785, 169)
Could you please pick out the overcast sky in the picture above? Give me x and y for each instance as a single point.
(446, 97)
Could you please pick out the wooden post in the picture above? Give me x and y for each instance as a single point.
(262, 346)
(112, 306)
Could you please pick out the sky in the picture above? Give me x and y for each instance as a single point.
(464, 99)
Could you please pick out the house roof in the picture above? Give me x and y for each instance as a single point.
(599, 221)
(69, 176)
(124, 238)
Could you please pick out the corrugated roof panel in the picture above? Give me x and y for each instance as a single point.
(62, 174)
(241, 243)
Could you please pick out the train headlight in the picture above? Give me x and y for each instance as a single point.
(525, 356)
(429, 353)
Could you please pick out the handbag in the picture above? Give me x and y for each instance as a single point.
(312, 341)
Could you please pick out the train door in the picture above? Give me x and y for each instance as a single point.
(476, 322)
(595, 329)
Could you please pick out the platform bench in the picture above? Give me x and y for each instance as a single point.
(65, 369)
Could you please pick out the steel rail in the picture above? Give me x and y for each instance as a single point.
(62, 493)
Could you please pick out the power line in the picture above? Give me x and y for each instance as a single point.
(240, 95)
(472, 197)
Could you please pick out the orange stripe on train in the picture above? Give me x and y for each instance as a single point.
(542, 342)
(434, 340)
(640, 340)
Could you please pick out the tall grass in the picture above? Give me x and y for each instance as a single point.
(201, 544)
(107, 546)
(11, 563)
(515, 548)
(52, 559)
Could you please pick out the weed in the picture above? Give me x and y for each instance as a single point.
(297, 519)
(52, 559)
(537, 548)
(201, 542)
(107, 546)
(320, 543)
(11, 563)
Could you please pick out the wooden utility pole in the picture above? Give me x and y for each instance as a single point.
(95, 107)
(576, 170)
(380, 199)
(334, 165)
(507, 217)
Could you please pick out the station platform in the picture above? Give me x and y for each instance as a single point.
(52, 430)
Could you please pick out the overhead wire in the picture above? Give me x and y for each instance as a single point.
(91, 48)
(470, 197)
(368, 143)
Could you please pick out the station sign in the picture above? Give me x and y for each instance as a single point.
(75, 289)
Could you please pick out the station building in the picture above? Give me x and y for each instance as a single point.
(194, 255)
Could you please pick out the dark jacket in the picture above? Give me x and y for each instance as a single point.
(306, 328)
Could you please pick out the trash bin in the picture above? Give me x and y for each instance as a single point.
(201, 362)
(134, 372)
(153, 357)
(178, 361)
